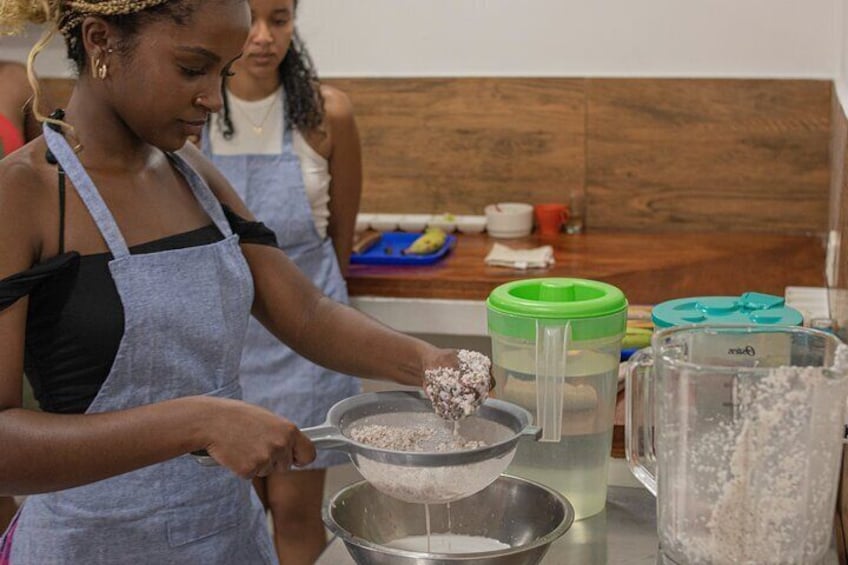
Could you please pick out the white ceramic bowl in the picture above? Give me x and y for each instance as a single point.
(445, 222)
(471, 224)
(385, 222)
(509, 219)
(362, 222)
(413, 222)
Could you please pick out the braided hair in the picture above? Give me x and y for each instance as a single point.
(66, 17)
(304, 102)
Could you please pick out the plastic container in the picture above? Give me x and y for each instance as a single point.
(555, 352)
(471, 224)
(363, 222)
(413, 222)
(445, 222)
(750, 308)
(385, 222)
(389, 251)
(509, 219)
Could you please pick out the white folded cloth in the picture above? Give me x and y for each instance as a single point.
(503, 256)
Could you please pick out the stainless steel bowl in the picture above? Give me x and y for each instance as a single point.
(523, 514)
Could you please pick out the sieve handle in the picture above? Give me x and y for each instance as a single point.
(203, 458)
(327, 436)
(531, 432)
(324, 437)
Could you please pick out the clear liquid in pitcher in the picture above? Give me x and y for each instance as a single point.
(575, 466)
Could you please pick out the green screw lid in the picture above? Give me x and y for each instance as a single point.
(749, 308)
(594, 309)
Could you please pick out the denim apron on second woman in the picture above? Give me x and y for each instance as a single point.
(185, 316)
(273, 375)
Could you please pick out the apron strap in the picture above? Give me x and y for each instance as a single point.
(203, 193)
(288, 143)
(88, 193)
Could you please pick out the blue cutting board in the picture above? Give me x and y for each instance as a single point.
(388, 251)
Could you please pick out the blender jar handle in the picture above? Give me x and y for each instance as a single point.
(639, 419)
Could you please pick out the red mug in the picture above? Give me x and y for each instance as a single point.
(550, 217)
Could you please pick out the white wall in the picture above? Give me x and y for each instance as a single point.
(692, 38)
(654, 38)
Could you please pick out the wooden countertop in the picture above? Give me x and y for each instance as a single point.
(648, 267)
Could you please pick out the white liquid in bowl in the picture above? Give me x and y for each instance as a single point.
(448, 543)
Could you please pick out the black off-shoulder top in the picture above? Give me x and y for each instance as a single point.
(75, 320)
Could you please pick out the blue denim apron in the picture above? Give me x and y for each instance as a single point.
(185, 317)
(272, 375)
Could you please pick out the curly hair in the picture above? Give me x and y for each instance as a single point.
(304, 102)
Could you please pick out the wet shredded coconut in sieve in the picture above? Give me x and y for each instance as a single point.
(425, 432)
(767, 477)
(457, 393)
(410, 439)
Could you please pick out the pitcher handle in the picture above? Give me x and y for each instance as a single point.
(552, 341)
(639, 419)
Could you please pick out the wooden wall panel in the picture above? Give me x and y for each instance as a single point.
(692, 154)
(455, 145)
(650, 154)
(836, 159)
(838, 253)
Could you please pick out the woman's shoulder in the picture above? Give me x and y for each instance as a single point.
(337, 104)
(23, 175)
(24, 200)
(339, 121)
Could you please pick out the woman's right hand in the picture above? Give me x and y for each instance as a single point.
(252, 441)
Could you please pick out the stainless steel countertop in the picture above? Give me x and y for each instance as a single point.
(623, 534)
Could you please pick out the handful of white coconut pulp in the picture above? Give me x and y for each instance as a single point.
(457, 393)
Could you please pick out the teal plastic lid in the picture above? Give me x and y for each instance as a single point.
(594, 309)
(752, 308)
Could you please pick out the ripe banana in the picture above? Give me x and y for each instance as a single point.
(429, 242)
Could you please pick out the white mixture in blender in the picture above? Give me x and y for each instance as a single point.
(769, 474)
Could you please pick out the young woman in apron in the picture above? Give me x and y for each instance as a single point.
(125, 294)
(290, 149)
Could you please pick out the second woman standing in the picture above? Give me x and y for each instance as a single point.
(290, 147)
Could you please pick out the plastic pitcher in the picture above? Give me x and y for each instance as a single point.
(737, 430)
(555, 351)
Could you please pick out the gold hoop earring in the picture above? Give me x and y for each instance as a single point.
(98, 68)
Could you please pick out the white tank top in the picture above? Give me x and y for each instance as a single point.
(259, 131)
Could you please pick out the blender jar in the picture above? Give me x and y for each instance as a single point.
(737, 430)
(556, 344)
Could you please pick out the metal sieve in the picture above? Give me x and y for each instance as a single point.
(423, 476)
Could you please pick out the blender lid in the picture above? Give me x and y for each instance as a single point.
(751, 308)
(593, 309)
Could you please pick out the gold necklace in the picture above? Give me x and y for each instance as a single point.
(258, 128)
